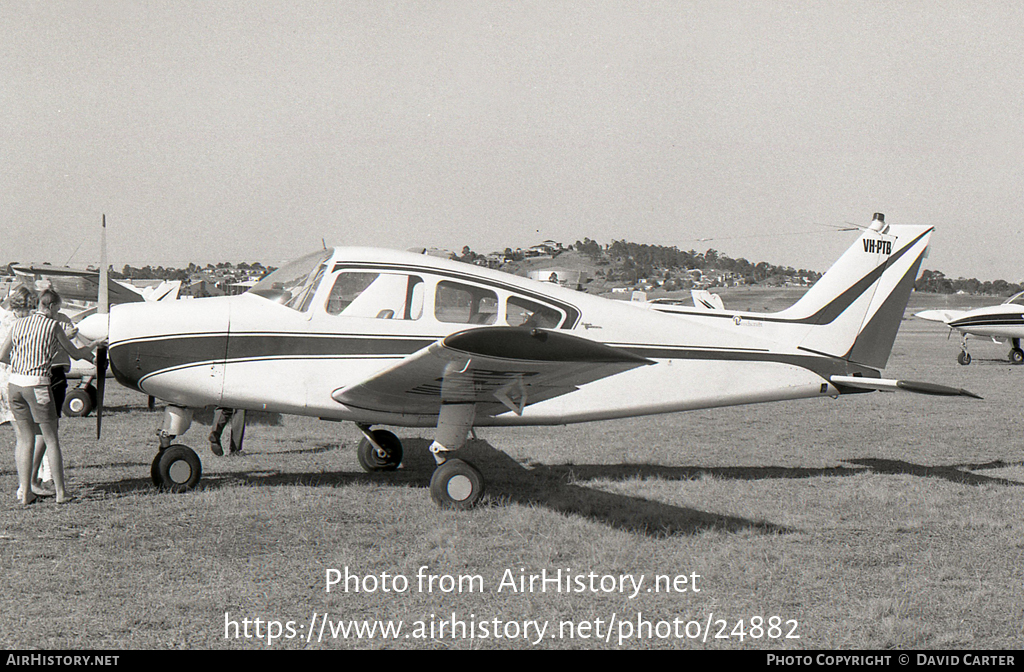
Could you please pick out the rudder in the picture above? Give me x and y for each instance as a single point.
(855, 309)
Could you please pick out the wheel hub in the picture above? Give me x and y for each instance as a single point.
(460, 487)
(180, 471)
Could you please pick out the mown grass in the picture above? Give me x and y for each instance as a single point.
(876, 521)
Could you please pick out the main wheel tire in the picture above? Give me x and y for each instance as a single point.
(1017, 356)
(372, 460)
(456, 484)
(154, 470)
(964, 358)
(78, 403)
(178, 469)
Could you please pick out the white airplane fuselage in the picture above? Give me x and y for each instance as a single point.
(1005, 321)
(253, 353)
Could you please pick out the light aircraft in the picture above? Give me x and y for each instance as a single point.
(1001, 323)
(380, 337)
(79, 284)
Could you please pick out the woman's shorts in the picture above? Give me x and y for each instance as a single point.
(32, 404)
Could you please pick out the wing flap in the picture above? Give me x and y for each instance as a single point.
(499, 368)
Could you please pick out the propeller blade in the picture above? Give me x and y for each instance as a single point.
(104, 294)
(104, 309)
(101, 382)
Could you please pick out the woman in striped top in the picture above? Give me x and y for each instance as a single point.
(30, 346)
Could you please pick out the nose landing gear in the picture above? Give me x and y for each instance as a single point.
(176, 467)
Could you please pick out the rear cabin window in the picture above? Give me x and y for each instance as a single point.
(384, 296)
(464, 304)
(522, 312)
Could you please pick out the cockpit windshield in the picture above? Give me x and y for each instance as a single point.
(294, 284)
(1016, 299)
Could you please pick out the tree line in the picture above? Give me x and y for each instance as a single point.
(937, 282)
(634, 261)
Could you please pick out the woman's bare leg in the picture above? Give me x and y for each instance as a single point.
(23, 458)
(53, 454)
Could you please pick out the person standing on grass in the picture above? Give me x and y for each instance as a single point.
(59, 369)
(221, 418)
(7, 319)
(30, 348)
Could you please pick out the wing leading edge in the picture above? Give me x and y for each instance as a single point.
(500, 369)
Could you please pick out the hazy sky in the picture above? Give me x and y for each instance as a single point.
(250, 130)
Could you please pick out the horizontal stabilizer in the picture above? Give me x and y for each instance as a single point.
(887, 385)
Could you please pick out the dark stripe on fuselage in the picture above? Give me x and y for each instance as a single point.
(135, 360)
(1007, 320)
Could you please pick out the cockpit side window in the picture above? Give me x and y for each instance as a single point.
(522, 312)
(295, 283)
(304, 296)
(458, 303)
(385, 296)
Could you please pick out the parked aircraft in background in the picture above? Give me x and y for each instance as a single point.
(702, 300)
(1001, 323)
(380, 337)
(75, 284)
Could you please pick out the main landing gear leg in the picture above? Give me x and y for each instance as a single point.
(1016, 354)
(176, 468)
(964, 357)
(455, 483)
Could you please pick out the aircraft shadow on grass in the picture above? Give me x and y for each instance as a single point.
(955, 473)
(555, 487)
(959, 473)
(508, 481)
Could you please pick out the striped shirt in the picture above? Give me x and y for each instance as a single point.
(33, 346)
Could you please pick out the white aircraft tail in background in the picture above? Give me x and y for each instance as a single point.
(703, 299)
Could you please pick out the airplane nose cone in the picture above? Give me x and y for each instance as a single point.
(94, 327)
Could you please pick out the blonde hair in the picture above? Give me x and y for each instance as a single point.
(22, 300)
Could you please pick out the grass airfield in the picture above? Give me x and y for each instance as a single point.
(874, 521)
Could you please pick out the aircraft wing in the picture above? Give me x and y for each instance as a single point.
(940, 315)
(77, 284)
(500, 369)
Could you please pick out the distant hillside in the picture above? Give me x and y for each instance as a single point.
(654, 268)
(626, 266)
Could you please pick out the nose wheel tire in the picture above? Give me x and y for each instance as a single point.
(456, 484)
(177, 469)
(964, 358)
(387, 458)
(1017, 356)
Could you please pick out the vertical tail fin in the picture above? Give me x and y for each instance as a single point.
(855, 309)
